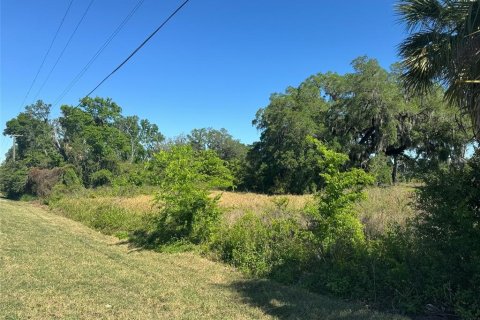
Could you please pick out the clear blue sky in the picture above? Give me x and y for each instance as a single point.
(214, 65)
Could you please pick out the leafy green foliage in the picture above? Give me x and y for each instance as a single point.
(97, 137)
(70, 177)
(13, 179)
(379, 167)
(131, 174)
(263, 246)
(101, 177)
(185, 178)
(282, 162)
(336, 219)
(448, 228)
(220, 141)
(363, 114)
(37, 144)
(231, 150)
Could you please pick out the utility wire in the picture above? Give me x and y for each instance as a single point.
(138, 48)
(64, 48)
(99, 51)
(46, 54)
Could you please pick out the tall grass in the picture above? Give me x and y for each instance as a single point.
(112, 215)
(117, 211)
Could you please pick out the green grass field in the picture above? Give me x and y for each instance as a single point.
(56, 268)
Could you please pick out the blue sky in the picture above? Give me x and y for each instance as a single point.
(214, 65)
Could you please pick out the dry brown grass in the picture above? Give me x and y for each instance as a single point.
(238, 204)
(382, 206)
(141, 204)
(385, 206)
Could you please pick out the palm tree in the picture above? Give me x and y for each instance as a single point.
(443, 46)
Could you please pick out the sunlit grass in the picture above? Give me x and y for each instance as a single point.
(382, 207)
(56, 268)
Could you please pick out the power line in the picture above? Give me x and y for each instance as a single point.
(139, 47)
(64, 48)
(46, 54)
(99, 51)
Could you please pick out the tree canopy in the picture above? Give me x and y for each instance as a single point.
(366, 114)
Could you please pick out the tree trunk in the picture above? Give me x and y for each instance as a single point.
(476, 116)
(394, 170)
(132, 155)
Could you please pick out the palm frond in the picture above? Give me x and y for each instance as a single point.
(417, 14)
(425, 57)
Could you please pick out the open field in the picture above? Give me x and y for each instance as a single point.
(55, 268)
(382, 207)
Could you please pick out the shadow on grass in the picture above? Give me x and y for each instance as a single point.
(141, 240)
(285, 302)
(157, 241)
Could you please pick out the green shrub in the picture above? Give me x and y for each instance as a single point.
(448, 234)
(264, 246)
(185, 178)
(13, 179)
(379, 167)
(335, 223)
(70, 177)
(28, 197)
(101, 177)
(130, 174)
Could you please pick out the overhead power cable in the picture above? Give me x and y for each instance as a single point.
(64, 48)
(138, 48)
(46, 54)
(97, 54)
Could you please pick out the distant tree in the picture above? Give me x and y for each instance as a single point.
(13, 178)
(144, 136)
(220, 141)
(231, 150)
(366, 114)
(130, 127)
(91, 138)
(444, 47)
(150, 138)
(103, 111)
(370, 114)
(282, 160)
(35, 142)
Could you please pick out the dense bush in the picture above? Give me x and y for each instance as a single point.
(264, 245)
(379, 168)
(448, 234)
(186, 178)
(70, 177)
(131, 174)
(101, 177)
(13, 179)
(328, 244)
(431, 265)
(42, 181)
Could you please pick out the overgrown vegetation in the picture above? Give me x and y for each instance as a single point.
(330, 137)
(185, 178)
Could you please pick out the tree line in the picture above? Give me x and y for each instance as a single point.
(367, 114)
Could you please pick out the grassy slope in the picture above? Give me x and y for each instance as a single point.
(55, 268)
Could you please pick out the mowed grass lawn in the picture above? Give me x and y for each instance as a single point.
(56, 268)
